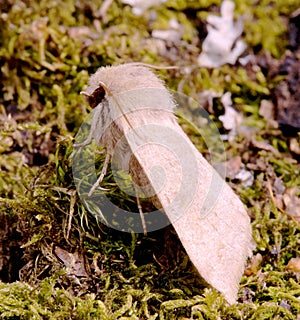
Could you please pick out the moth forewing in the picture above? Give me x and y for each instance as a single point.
(136, 126)
(208, 217)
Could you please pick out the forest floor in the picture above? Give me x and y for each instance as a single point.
(58, 261)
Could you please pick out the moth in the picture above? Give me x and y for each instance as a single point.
(134, 121)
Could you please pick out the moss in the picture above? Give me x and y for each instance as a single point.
(265, 22)
(46, 57)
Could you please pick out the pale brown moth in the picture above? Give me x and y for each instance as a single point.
(134, 122)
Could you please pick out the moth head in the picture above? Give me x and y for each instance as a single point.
(95, 97)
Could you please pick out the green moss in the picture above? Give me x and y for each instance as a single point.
(191, 4)
(20, 301)
(265, 22)
(130, 276)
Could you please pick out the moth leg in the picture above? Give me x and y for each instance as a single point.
(100, 151)
(141, 212)
(102, 174)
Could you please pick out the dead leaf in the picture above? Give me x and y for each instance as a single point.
(254, 265)
(278, 186)
(263, 145)
(74, 262)
(266, 109)
(245, 176)
(294, 265)
(295, 145)
(291, 201)
(235, 169)
(233, 166)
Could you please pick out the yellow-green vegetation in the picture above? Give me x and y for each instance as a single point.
(48, 50)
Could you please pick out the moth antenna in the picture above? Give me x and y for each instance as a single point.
(105, 87)
(142, 64)
(85, 93)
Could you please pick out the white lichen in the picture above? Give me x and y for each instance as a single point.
(222, 44)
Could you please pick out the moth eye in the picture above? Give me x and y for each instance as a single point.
(96, 97)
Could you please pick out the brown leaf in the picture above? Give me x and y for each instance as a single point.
(74, 262)
(291, 200)
(295, 145)
(266, 110)
(233, 166)
(294, 265)
(254, 265)
(263, 145)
